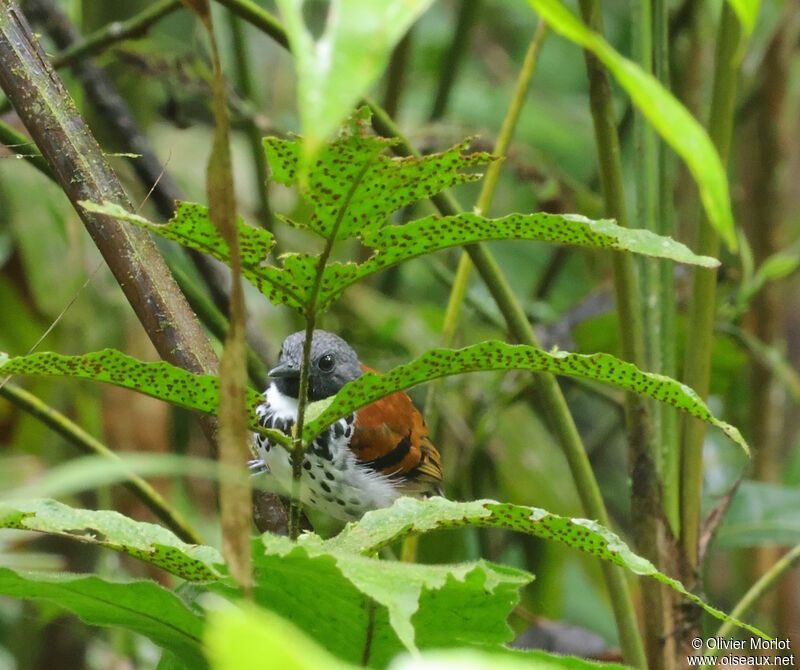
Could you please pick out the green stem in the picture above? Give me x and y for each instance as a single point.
(452, 62)
(759, 589)
(258, 17)
(665, 298)
(461, 283)
(113, 33)
(645, 493)
(396, 74)
(88, 444)
(299, 447)
(697, 364)
(657, 293)
(244, 82)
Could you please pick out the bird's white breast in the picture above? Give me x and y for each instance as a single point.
(333, 480)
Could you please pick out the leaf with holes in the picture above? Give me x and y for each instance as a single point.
(145, 541)
(335, 69)
(141, 606)
(416, 606)
(158, 380)
(667, 115)
(192, 227)
(292, 285)
(408, 516)
(495, 355)
(353, 186)
(395, 244)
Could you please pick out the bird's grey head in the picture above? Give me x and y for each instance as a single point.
(333, 364)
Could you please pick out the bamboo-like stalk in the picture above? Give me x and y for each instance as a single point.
(461, 283)
(697, 364)
(645, 488)
(88, 444)
(459, 46)
(666, 430)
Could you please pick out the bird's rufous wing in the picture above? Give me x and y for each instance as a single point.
(391, 437)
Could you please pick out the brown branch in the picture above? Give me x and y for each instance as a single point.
(129, 252)
(79, 166)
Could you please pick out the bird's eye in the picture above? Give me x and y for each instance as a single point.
(326, 362)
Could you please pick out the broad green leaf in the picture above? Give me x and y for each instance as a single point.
(142, 606)
(409, 517)
(761, 514)
(236, 639)
(159, 380)
(668, 116)
(338, 68)
(747, 11)
(145, 541)
(494, 355)
(354, 186)
(327, 594)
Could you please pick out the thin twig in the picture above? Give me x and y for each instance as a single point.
(451, 64)
(115, 32)
(758, 590)
(91, 445)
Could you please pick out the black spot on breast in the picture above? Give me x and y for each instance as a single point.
(340, 502)
(354, 501)
(321, 446)
(313, 476)
(329, 475)
(307, 464)
(337, 429)
(325, 486)
(349, 419)
(348, 432)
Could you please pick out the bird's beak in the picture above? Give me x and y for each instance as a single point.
(285, 371)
